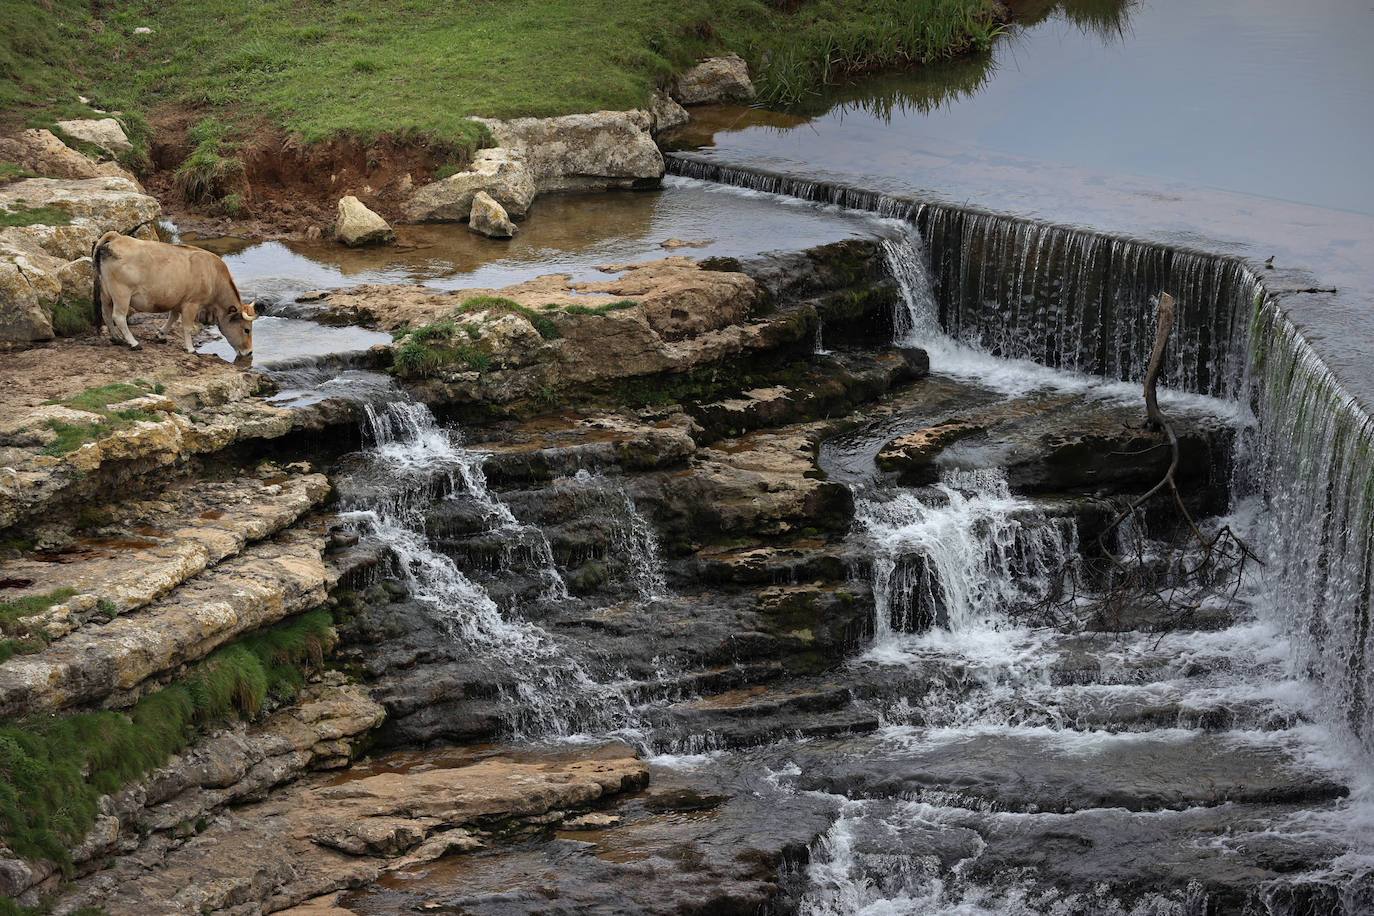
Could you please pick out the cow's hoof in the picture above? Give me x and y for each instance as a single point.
(135, 346)
(159, 338)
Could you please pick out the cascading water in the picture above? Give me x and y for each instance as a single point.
(416, 461)
(1073, 299)
(958, 555)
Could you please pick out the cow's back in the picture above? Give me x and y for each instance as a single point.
(159, 277)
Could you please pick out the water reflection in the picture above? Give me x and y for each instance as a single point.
(1264, 99)
(572, 235)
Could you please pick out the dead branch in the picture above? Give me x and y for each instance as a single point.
(1173, 586)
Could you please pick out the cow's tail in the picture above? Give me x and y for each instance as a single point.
(97, 252)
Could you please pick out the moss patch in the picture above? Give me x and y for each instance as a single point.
(52, 771)
(599, 311)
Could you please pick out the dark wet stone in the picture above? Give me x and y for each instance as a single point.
(1032, 773)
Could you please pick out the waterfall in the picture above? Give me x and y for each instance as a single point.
(1074, 299)
(1313, 470)
(552, 694)
(958, 554)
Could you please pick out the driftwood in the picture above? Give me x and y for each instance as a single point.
(1133, 574)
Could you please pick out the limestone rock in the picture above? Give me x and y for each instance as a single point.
(356, 225)
(489, 218)
(116, 203)
(103, 132)
(665, 113)
(40, 152)
(23, 295)
(326, 834)
(501, 173)
(718, 79)
(75, 277)
(36, 268)
(584, 152)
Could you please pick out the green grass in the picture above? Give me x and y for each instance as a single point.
(9, 171)
(53, 770)
(72, 318)
(71, 436)
(600, 310)
(542, 323)
(99, 398)
(208, 175)
(18, 638)
(421, 68)
(34, 216)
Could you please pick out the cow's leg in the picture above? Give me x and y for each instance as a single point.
(166, 328)
(188, 330)
(107, 313)
(121, 323)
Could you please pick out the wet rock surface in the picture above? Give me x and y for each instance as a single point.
(795, 581)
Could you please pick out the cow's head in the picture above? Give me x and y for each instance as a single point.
(237, 328)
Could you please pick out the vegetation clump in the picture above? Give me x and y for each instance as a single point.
(599, 311)
(208, 175)
(53, 771)
(71, 436)
(34, 216)
(422, 351)
(18, 637)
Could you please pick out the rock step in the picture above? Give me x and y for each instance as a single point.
(149, 547)
(190, 421)
(1037, 770)
(1092, 707)
(1231, 858)
(326, 833)
(269, 581)
(759, 714)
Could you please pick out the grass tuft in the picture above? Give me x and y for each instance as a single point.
(600, 311)
(71, 318)
(207, 176)
(71, 436)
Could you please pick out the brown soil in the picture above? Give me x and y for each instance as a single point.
(291, 189)
(67, 366)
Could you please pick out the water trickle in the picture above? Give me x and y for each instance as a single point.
(416, 460)
(632, 538)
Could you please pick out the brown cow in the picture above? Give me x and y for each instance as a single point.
(188, 283)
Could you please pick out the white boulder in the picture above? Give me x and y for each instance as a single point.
(489, 218)
(717, 79)
(103, 132)
(584, 152)
(502, 173)
(356, 225)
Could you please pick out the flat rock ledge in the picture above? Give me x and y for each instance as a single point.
(267, 583)
(321, 834)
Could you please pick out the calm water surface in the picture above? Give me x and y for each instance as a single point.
(1263, 97)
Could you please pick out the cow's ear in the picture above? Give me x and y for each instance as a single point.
(246, 309)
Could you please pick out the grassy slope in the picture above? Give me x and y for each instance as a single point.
(323, 67)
